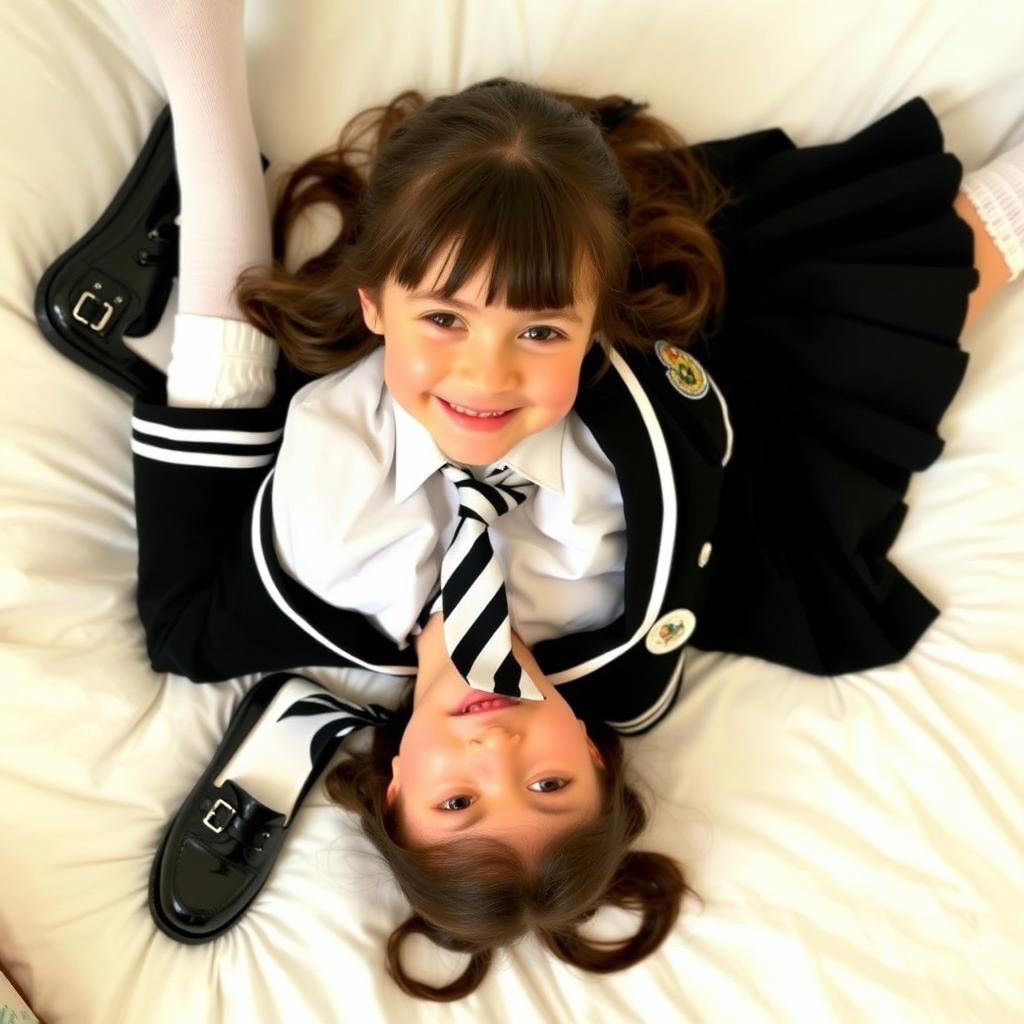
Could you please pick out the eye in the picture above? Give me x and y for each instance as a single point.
(562, 783)
(554, 335)
(433, 318)
(444, 805)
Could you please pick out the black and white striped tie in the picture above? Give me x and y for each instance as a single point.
(477, 631)
(346, 717)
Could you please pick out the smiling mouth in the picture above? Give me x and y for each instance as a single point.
(481, 415)
(479, 705)
(484, 414)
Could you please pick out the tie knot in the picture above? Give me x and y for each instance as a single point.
(486, 500)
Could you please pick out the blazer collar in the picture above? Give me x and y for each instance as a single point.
(619, 413)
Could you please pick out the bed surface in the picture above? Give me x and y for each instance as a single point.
(858, 841)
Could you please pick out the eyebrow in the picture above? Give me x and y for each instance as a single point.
(562, 314)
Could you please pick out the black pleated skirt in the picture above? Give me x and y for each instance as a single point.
(848, 275)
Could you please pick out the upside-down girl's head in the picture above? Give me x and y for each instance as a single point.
(524, 773)
(484, 851)
(498, 235)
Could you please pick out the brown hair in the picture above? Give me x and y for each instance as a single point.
(508, 174)
(476, 895)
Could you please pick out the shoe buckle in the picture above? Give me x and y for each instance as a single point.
(108, 311)
(211, 814)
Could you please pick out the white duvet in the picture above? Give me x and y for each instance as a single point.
(858, 841)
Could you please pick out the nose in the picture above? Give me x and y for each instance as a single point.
(492, 756)
(496, 738)
(488, 366)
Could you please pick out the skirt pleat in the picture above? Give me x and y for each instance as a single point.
(848, 274)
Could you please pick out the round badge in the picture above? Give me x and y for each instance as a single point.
(671, 631)
(685, 374)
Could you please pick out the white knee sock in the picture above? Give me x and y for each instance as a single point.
(303, 723)
(997, 193)
(199, 48)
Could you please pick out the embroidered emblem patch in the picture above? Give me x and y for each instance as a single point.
(671, 631)
(685, 374)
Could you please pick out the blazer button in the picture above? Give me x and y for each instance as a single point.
(671, 631)
(705, 555)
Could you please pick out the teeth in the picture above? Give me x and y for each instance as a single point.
(473, 412)
(484, 705)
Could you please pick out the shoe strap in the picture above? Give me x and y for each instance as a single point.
(236, 814)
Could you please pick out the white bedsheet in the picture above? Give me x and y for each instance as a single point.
(858, 841)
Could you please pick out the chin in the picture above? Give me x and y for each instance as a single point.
(475, 453)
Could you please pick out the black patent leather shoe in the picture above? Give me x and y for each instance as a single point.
(117, 278)
(115, 281)
(221, 845)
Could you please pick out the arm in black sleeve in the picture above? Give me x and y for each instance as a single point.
(202, 598)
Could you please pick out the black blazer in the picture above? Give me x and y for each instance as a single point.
(217, 603)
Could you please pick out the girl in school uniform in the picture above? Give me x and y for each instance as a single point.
(691, 382)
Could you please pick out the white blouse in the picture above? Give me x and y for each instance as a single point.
(362, 517)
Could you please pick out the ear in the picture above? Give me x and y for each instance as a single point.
(592, 747)
(393, 785)
(371, 312)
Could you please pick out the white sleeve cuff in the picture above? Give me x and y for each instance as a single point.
(219, 364)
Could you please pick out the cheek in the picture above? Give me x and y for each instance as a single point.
(558, 745)
(554, 387)
(564, 734)
(411, 367)
(422, 753)
(412, 737)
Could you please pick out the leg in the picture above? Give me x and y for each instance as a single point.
(200, 53)
(992, 268)
(223, 842)
(991, 201)
(199, 48)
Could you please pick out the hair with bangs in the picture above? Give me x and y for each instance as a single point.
(495, 212)
(510, 178)
(476, 895)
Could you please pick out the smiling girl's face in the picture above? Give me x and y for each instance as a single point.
(479, 378)
(522, 774)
